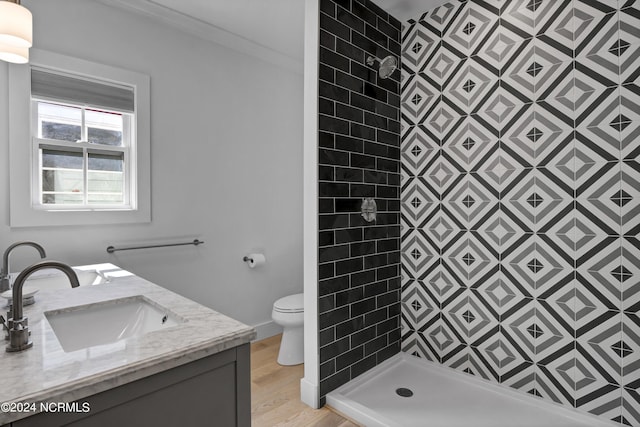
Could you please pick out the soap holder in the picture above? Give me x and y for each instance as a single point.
(28, 293)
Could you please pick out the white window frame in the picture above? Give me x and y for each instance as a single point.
(24, 172)
(86, 148)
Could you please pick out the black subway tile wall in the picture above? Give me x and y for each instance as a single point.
(359, 157)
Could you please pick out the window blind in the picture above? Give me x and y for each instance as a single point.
(63, 88)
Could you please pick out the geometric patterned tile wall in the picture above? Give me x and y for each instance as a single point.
(521, 197)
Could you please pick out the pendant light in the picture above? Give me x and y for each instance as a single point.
(16, 32)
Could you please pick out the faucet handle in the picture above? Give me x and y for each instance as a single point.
(19, 336)
(7, 324)
(5, 327)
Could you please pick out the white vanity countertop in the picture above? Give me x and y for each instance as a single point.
(45, 373)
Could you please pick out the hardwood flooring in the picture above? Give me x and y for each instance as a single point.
(275, 393)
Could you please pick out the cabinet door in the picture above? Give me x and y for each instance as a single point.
(208, 399)
(213, 391)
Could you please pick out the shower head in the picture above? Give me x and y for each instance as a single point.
(387, 65)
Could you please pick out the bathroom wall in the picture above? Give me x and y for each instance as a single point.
(359, 157)
(226, 153)
(521, 197)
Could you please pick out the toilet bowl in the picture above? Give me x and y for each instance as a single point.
(288, 312)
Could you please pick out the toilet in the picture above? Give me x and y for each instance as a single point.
(288, 312)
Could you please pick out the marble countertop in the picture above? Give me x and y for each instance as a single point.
(46, 373)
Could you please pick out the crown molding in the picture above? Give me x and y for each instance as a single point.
(207, 31)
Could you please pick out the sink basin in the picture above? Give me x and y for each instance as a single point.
(108, 322)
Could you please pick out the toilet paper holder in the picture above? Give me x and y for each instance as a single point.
(254, 260)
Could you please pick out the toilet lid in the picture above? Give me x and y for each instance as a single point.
(290, 304)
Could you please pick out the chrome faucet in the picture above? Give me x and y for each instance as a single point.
(17, 325)
(5, 281)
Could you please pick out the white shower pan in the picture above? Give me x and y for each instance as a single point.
(443, 397)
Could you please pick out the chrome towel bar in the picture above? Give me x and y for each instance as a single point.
(196, 242)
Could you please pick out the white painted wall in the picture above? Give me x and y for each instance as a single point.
(226, 161)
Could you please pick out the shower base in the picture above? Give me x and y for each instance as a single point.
(442, 397)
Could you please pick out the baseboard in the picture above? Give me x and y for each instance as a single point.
(310, 394)
(266, 330)
(332, 409)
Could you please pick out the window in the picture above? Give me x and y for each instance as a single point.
(81, 149)
(85, 147)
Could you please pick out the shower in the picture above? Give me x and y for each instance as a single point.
(387, 65)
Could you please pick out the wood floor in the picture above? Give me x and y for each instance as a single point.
(275, 392)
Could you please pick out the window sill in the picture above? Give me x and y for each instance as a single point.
(42, 218)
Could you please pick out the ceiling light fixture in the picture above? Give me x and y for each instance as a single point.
(16, 32)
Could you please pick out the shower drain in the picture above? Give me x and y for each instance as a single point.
(404, 392)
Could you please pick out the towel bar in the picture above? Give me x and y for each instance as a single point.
(196, 242)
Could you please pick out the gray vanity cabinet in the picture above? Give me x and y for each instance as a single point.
(213, 391)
